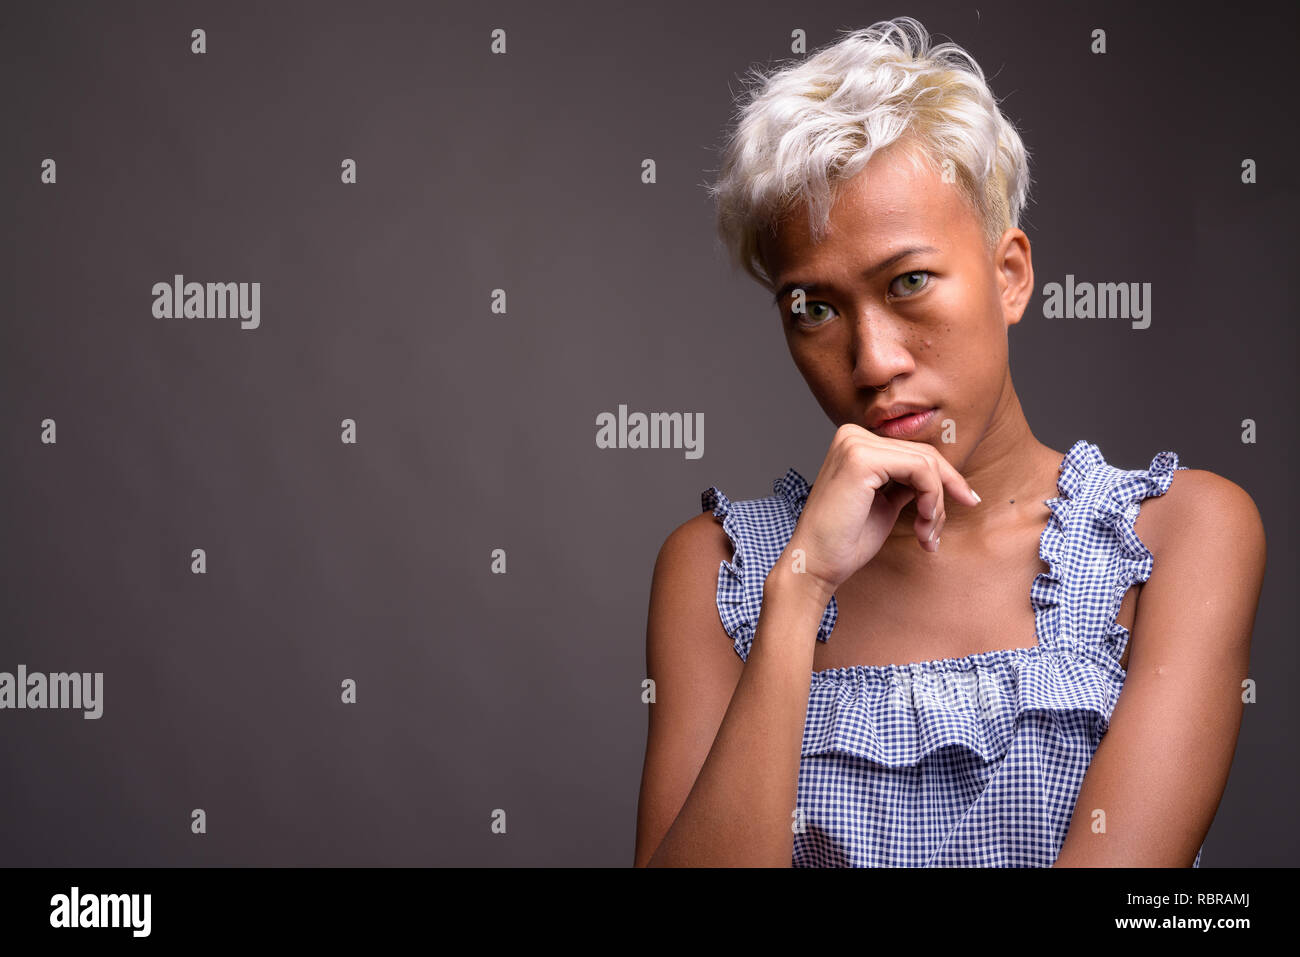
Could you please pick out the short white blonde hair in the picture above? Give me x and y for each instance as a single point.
(808, 127)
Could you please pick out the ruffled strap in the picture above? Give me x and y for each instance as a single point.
(1119, 508)
(1047, 590)
(759, 530)
(1092, 550)
(793, 489)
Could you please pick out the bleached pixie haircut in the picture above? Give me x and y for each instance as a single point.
(803, 130)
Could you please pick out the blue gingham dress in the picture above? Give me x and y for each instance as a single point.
(960, 762)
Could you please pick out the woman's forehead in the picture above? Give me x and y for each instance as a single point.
(887, 207)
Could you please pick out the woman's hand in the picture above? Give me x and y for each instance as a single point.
(863, 484)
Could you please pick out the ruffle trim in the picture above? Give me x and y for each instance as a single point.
(1116, 507)
(731, 581)
(896, 715)
(793, 489)
(739, 598)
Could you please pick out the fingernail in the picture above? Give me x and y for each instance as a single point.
(932, 531)
(976, 497)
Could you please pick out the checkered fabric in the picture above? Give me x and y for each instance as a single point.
(960, 762)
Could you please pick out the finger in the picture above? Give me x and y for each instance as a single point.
(898, 496)
(928, 524)
(954, 481)
(935, 531)
(912, 468)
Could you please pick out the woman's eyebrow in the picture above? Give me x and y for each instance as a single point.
(815, 287)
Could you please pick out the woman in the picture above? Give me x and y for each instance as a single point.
(884, 668)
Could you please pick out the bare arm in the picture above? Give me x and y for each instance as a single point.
(722, 752)
(721, 773)
(1160, 771)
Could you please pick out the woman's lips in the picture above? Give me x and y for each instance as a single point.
(905, 426)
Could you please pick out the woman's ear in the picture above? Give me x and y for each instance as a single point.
(1014, 262)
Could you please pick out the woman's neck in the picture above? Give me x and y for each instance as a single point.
(1010, 470)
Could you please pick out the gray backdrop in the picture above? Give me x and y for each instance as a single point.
(372, 561)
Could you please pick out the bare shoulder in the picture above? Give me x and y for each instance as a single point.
(694, 544)
(683, 624)
(1201, 510)
(1198, 608)
(684, 630)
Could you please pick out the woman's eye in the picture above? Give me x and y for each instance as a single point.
(911, 286)
(903, 287)
(813, 314)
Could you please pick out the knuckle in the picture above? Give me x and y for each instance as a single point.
(858, 456)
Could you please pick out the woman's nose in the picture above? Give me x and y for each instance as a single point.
(880, 355)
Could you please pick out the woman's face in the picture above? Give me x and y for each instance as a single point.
(903, 290)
